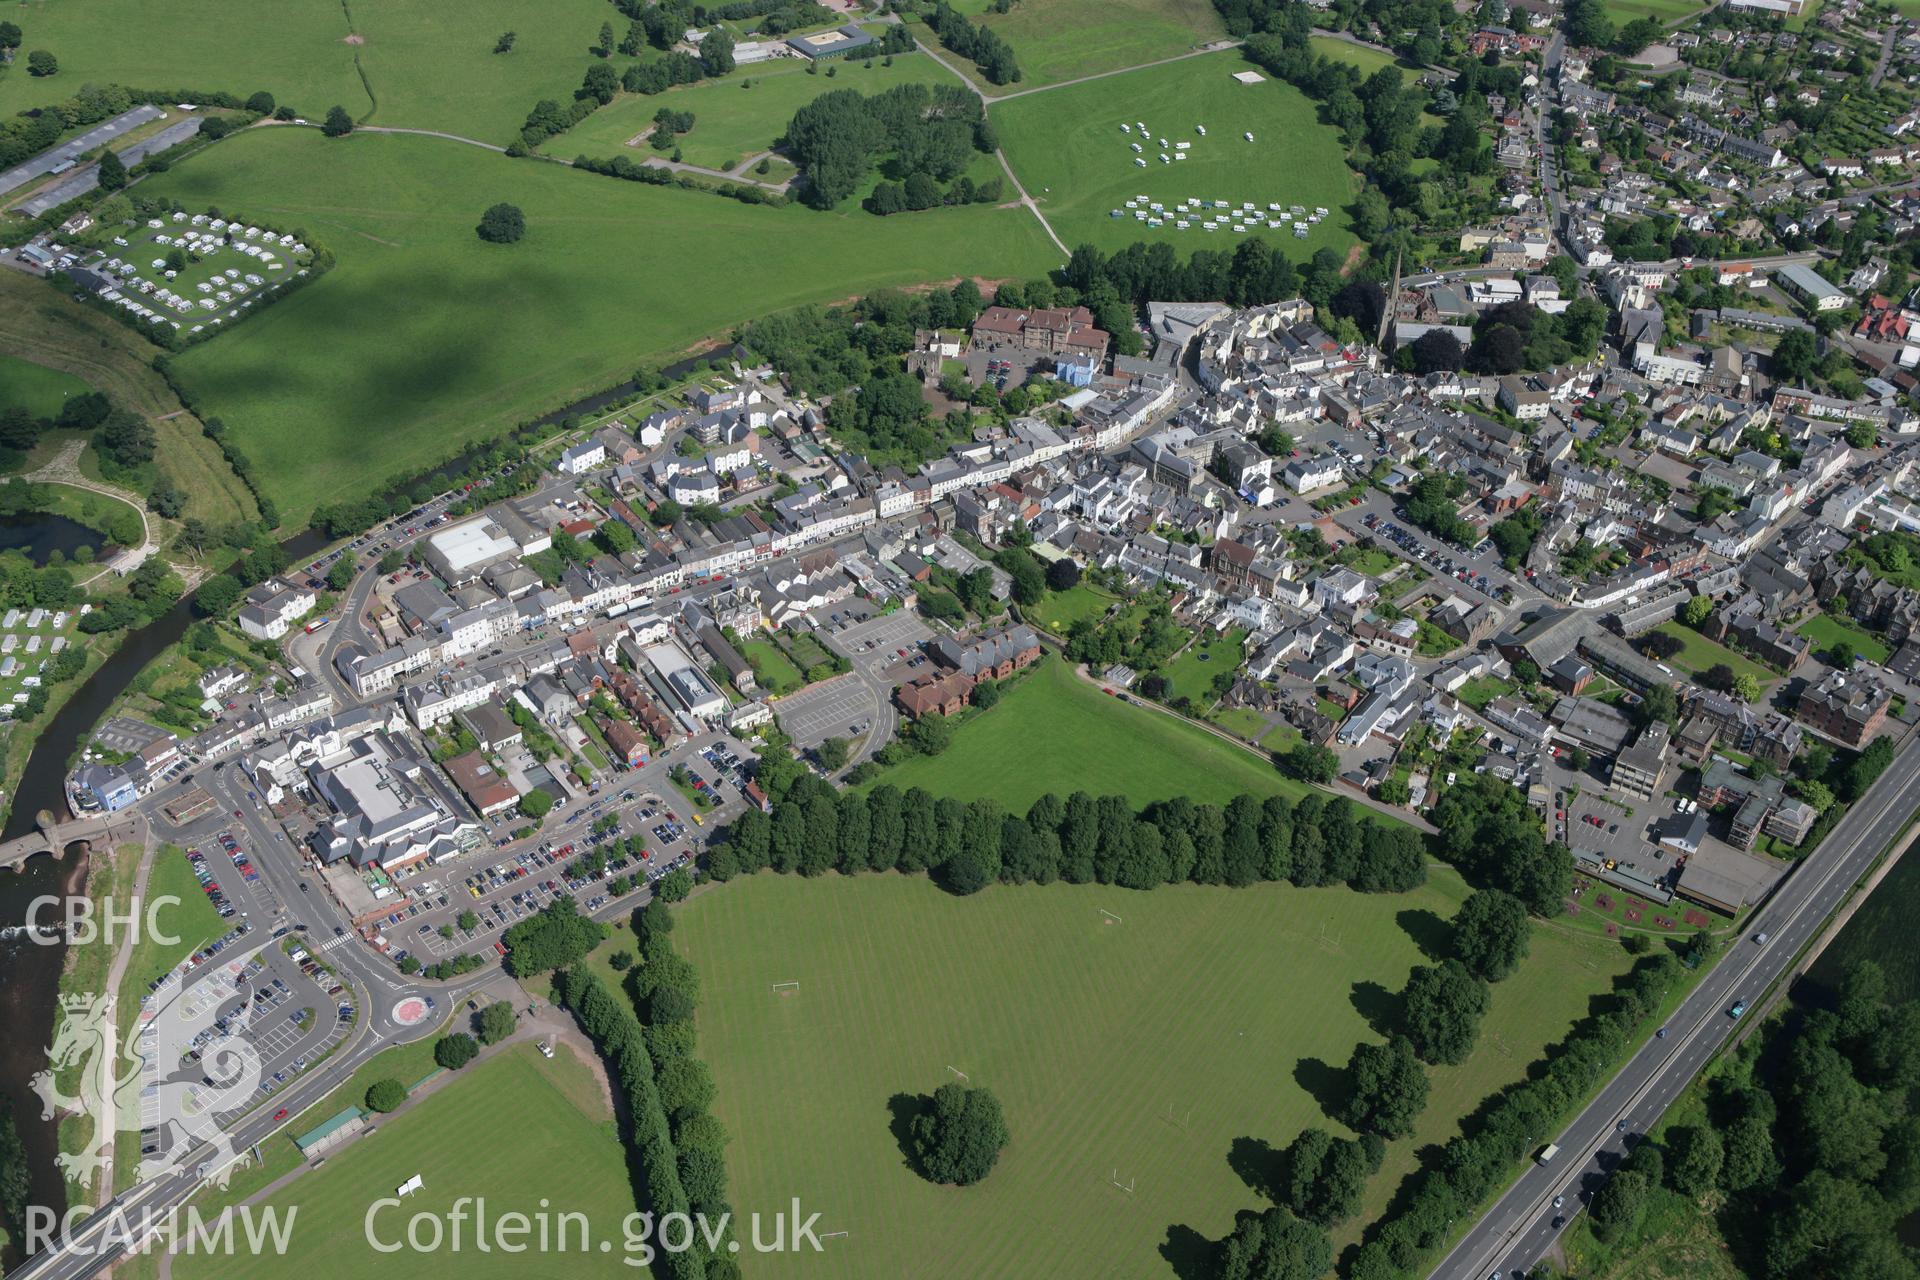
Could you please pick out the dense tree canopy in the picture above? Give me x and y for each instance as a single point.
(1444, 1005)
(1386, 1089)
(958, 1134)
(1491, 934)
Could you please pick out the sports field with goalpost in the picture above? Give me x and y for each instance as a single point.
(1130, 1037)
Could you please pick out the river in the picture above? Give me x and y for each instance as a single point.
(30, 972)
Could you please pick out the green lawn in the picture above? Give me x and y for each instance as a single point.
(1145, 1048)
(1825, 630)
(1662, 11)
(1282, 738)
(422, 64)
(431, 338)
(772, 668)
(1365, 60)
(192, 920)
(1061, 609)
(1068, 150)
(1055, 40)
(1372, 561)
(1701, 653)
(1242, 722)
(1055, 732)
(34, 387)
(732, 122)
(564, 1153)
(1192, 672)
(1481, 690)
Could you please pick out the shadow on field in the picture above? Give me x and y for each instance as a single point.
(1326, 1084)
(1384, 1010)
(1259, 1164)
(1429, 932)
(901, 1109)
(1190, 1254)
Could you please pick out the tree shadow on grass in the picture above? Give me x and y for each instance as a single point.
(1384, 1010)
(1326, 1084)
(1190, 1254)
(901, 1110)
(1429, 932)
(1259, 1164)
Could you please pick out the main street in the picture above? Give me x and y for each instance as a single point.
(1521, 1227)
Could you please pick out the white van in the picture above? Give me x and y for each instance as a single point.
(1547, 1153)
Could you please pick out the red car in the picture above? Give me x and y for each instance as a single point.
(281, 1114)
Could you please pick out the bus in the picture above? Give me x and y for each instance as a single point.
(316, 624)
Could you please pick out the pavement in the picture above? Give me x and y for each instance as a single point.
(1522, 1227)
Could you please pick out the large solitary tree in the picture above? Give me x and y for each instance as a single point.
(502, 224)
(338, 123)
(958, 1134)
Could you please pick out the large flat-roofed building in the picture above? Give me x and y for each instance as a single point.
(683, 681)
(837, 43)
(386, 810)
(462, 552)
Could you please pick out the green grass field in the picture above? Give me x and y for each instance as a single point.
(1701, 653)
(1145, 1048)
(1055, 732)
(1665, 12)
(1365, 60)
(1068, 150)
(430, 338)
(1825, 630)
(564, 1153)
(772, 668)
(732, 122)
(34, 387)
(1192, 672)
(1061, 609)
(427, 64)
(1055, 40)
(193, 921)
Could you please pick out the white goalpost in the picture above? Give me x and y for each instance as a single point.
(1111, 918)
(785, 988)
(1126, 1186)
(963, 1075)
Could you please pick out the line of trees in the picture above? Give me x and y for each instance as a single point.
(622, 1043)
(1510, 1124)
(979, 44)
(657, 176)
(1083, 838)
